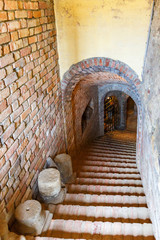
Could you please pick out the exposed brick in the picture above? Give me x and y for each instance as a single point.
(6, 49)
(11, 15)
(16, 45)
(1, 5)
(25, 51)
(5, 113)
(14, 36)
(10, 78)
(3, 105)
(43, 5)
(29, 67)
(21, 81)
(23, 33)
(4, 38)
(14, 96)
(31, 5)
(37, 14)
(16, 113)
(13, 25)
(38, 30)
(4, 170)
(32, 39)
(2, 73)
(3, 27)
(9, 131)
(21, 14)
(25, 114)
(6, 60)
(11, 150)
(11, 5)
(33, 23)
(4, 93)
(19, 130)
(3, 16)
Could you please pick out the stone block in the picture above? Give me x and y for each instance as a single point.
(64, 164)
(30, 218)
(49, 182)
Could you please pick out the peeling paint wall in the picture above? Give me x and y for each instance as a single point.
(117, 29)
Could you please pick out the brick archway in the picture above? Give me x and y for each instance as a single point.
(113, 75)
(92, 65)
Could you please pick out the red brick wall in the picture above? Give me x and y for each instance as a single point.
(31, 122)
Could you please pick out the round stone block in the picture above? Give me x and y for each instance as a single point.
(64, 164)
(49, 182)
(30, 217)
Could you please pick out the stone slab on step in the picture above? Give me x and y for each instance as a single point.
(49, 182)
(104, 199)
(102, 228)
(110, 175)
(100, 189)
(108, 164)
(101, 181)
(102, 211)
(108, 169)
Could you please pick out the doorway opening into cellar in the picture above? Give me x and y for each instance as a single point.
(111, 114)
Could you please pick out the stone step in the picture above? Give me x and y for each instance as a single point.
(111, 148)
(108, 169)
(113, 155)
(97, 237)
(95, 181)
(108, 151)
(115, 143)
(103, 158)
(109, 175)
(99, 189)
(78, 229)
(105, 213)
(104, 200)
(109, 164)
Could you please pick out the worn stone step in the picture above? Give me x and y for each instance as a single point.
(114, 155)
(108, 164)
(78, 228)
(108, 169)
(111, 142)
(104, 200)
(99, 189)
(108, 151)
(105, 213)
(103, 158)
(109, 175)
(101, 181)
(97, 237)
(111, 148)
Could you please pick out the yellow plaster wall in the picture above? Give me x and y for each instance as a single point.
(117, 29)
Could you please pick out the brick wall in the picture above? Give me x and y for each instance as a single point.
(31, 122)
(83, 94)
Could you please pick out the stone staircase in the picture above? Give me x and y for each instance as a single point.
(107, 200)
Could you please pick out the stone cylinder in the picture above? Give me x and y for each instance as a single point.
(64, 164)
(30, 217)
(49, 182)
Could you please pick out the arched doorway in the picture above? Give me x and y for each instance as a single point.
(106, 75)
